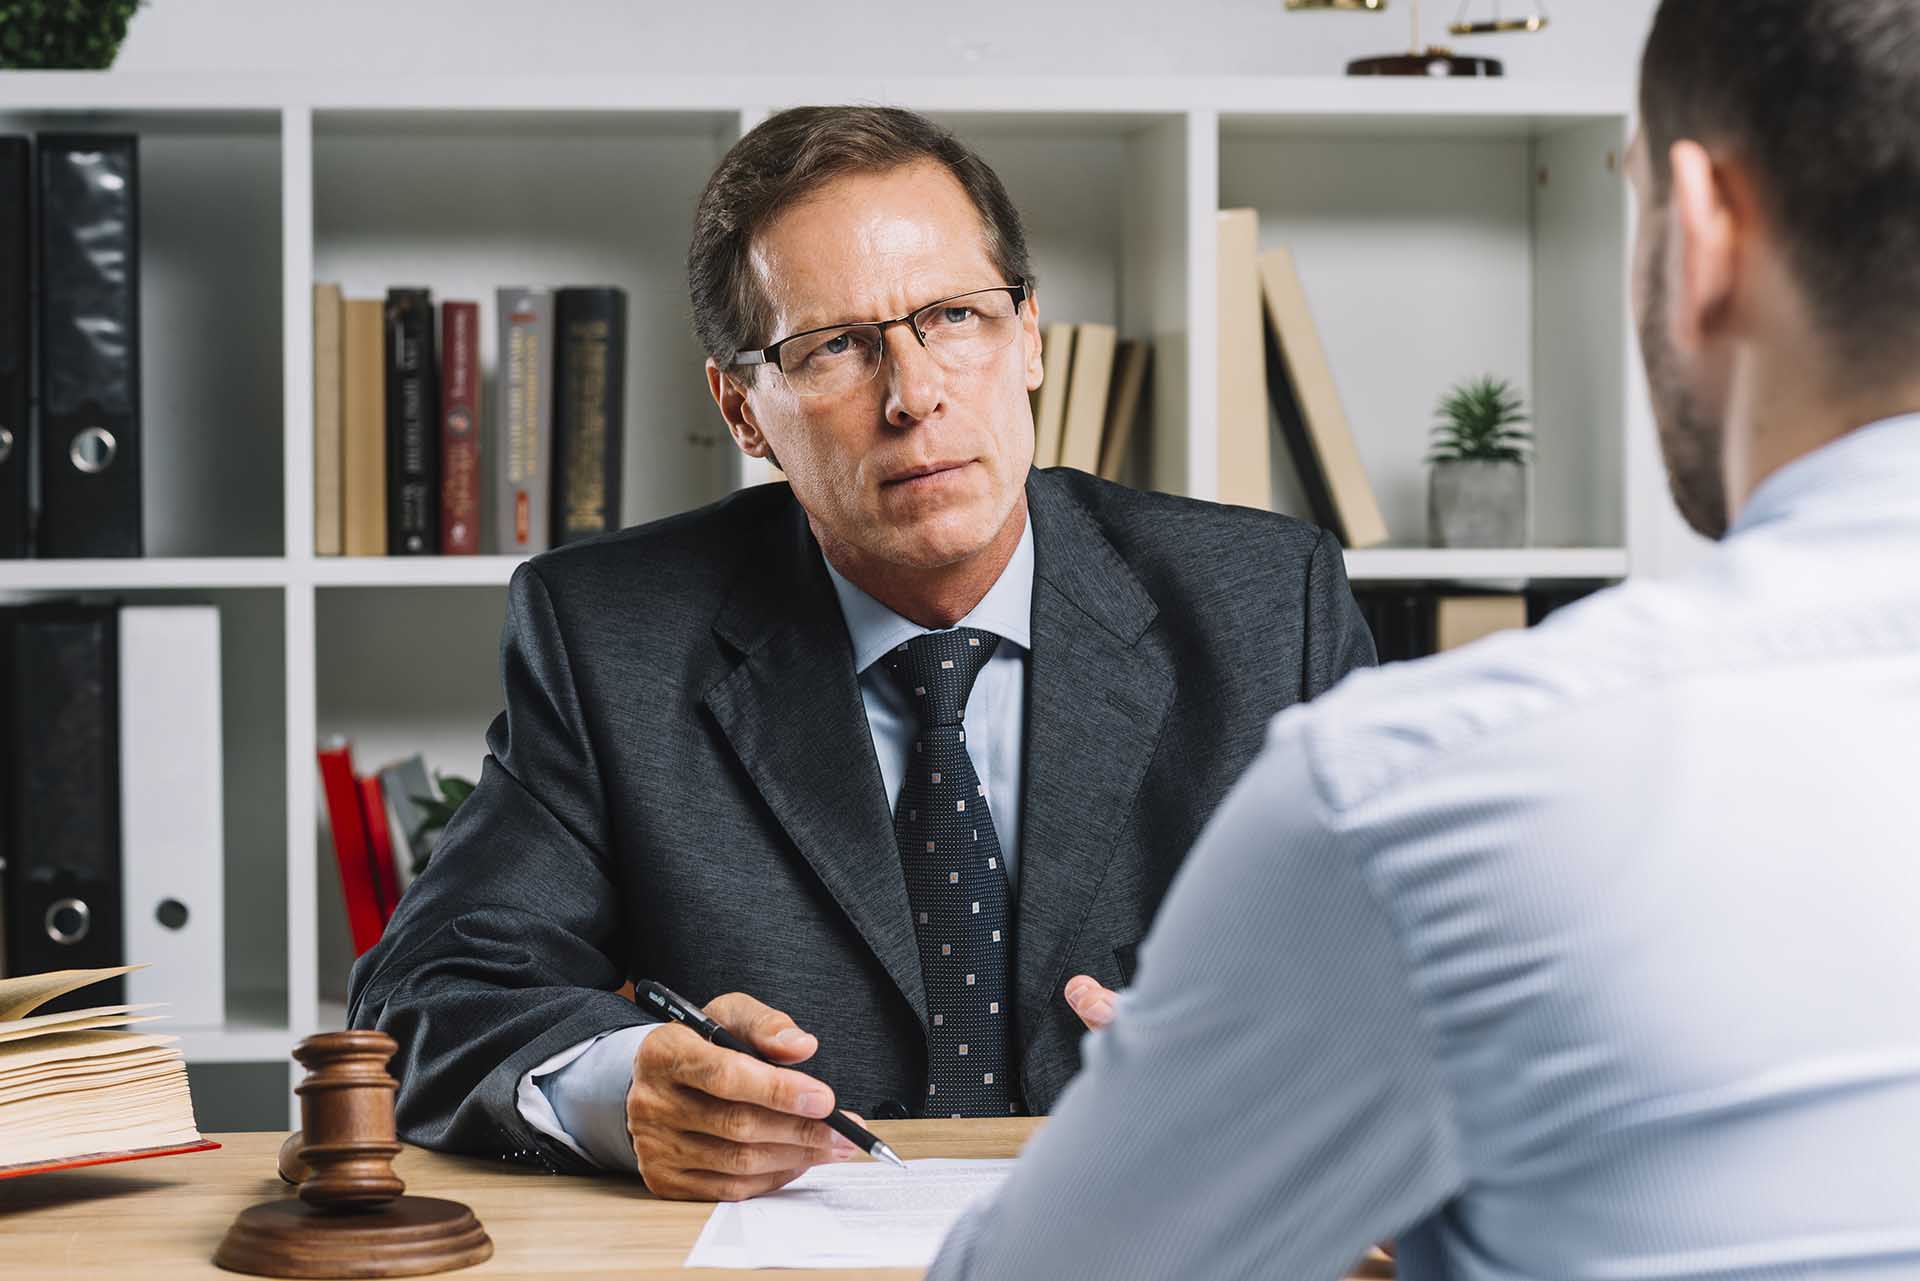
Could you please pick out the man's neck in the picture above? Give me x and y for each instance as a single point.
(1792, 416)
(933, 598)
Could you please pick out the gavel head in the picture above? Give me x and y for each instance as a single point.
(343, 1154)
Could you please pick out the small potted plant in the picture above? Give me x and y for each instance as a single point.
(1479, 491)
(62, 35)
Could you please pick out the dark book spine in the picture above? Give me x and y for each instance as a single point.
(413, 426)
(89, 446)
(460, 428)
(16, 341)
(590, 331)
(1292, 418)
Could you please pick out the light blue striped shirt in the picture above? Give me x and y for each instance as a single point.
(1584, 954)
(579, 1096)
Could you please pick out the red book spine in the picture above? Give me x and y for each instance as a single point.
(350, 846)
(460, 428)
(386, 884)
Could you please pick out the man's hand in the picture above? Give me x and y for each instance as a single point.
(1093, 1003)
(709, 1124)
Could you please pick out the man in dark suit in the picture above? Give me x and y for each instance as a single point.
(906, 750)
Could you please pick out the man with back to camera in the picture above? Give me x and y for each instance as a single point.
(904, 754)
(1588, 952)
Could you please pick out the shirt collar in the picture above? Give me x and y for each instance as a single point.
(1006, 610)
(1852, 473)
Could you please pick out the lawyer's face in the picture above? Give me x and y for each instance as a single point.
(922, 465)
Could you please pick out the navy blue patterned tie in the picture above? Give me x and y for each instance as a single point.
(956, 883)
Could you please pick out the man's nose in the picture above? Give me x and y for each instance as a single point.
(916, 384)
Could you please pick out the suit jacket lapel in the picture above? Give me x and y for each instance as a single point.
(1097, 698)
(793, 713)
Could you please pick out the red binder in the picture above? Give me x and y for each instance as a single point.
(352, 845)
(101, 1158)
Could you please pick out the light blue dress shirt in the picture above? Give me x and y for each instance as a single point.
(579, 1096)
(1590, 953)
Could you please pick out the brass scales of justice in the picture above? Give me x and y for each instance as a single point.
(1434, 60)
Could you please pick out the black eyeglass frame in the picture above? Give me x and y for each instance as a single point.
(771, 355)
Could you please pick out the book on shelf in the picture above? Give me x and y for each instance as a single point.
(406, 787)
(329, 501)
(355, 856)
(364, 428)
(1246, 477)
(1124, 404)
(80, 1087)
(1087, 388)
(1050, 402)
(590, 333)
(16, 342)
(459, 428)
(522, 446)
(1312, 420)
(413, 425)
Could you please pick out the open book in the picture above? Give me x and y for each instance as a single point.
(80, 1088)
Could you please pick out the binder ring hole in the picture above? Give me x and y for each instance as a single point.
(6, 443)
(68, 921)
(171, 913)
(93, 449)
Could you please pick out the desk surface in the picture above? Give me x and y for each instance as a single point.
(162, 1219)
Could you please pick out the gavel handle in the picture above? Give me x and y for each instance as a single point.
(292, 1168)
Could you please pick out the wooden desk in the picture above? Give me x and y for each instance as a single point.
(160, 1220)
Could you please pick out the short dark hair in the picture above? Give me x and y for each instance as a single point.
(1822, 99)
(788, 157)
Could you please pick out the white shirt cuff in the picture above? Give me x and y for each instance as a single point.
(579, 1097)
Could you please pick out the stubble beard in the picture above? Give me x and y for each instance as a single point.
(1692, 442)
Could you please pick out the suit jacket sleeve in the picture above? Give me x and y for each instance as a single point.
(1337, 636)
(504, 951)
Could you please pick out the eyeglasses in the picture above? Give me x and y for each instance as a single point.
(958, 332)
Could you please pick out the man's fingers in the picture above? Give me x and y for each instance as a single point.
(737, 1122)
(767, 1030)
(741, 1078)
(1091, 1001)
(705, 1153)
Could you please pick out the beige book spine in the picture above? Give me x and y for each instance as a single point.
(1050, 413)
(1462, 620)
(1246, 450)
(328, 459)
(1093, 347)
(364, 449)
(1123, 407)
(1328, 431)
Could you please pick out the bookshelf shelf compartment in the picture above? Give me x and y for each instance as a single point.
(1446, 564)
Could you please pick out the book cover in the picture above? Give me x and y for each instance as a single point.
(364, 435)
(405, 783)
(352, 846)
(1124, 405)
(16, 342)
(460, 428)
(1087, 387)
(590, 328)
(413, 425)
(1462, 620)
(373, 813)
(1311, 416)
(90, 420)
(329, 422)
(1246, 465)
(1050, 402)
(523, 411)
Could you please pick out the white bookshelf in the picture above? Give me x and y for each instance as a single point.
(1442, 230)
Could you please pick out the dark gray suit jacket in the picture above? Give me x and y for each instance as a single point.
(683, 787)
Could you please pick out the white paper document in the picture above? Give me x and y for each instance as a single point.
(858, 1215)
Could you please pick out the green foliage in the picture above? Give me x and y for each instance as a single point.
(436, 813)
(1481, 421)
(62, 35)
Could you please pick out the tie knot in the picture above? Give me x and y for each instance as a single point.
(936, 671)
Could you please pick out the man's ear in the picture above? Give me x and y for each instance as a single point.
(1030, 339)
(742, 423)
(1705, 225)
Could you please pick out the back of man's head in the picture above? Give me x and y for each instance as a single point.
(1820, 99)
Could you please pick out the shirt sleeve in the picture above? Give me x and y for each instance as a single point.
(579, 1097)
(1266, 1101)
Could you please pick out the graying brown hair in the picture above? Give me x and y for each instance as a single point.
(788, 157)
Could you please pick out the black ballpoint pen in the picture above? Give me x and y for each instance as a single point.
(663, 1000)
